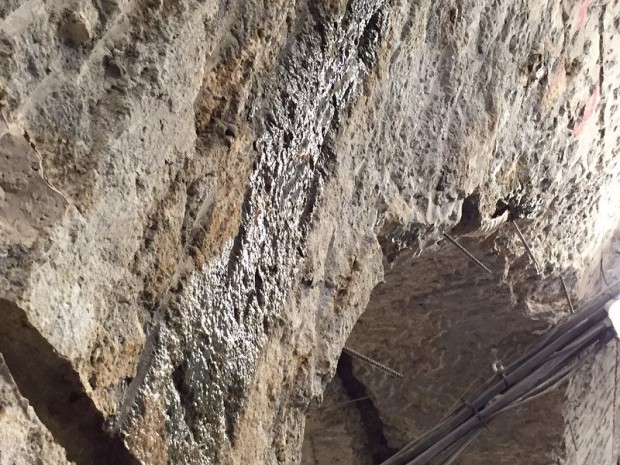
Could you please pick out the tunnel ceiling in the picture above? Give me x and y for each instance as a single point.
(203, 201)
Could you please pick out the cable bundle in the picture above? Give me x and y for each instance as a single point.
(542, 369)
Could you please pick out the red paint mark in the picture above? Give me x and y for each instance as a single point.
(587, 113)
(582, 14)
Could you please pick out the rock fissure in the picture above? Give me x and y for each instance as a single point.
(377, 444)
(54, 390)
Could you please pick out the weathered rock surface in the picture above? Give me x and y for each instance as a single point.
(197, 199)
(23, 437)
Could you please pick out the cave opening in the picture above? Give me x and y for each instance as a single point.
(442, 322)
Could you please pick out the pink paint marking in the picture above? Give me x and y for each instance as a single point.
(582, 14)
(587, 113)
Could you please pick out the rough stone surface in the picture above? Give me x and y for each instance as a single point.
(24, 440)
(198, 198)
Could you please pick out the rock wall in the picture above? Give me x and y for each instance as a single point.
(24, 438)
(197, 199)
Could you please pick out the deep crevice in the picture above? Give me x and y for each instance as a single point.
(471, 218)
(54, 390)
(371, 420)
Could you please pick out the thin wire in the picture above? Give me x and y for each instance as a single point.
(572, 434)
(347, 402)
(552, 385)
(458, 401)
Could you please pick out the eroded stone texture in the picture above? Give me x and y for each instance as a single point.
(198, 198)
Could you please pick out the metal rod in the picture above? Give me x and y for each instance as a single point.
(570, 303)
(527, 247)
(370, 361)
(572, 434)
(480, 265)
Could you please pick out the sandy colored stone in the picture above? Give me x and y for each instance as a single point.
(199, 199)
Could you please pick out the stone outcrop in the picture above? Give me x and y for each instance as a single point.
(199, 199)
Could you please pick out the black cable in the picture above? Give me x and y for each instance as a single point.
(540, 370)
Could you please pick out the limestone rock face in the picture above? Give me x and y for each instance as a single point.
(198, 200)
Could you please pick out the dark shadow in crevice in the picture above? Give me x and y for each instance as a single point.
(371, 421)
(471, 219)
(54, 390)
